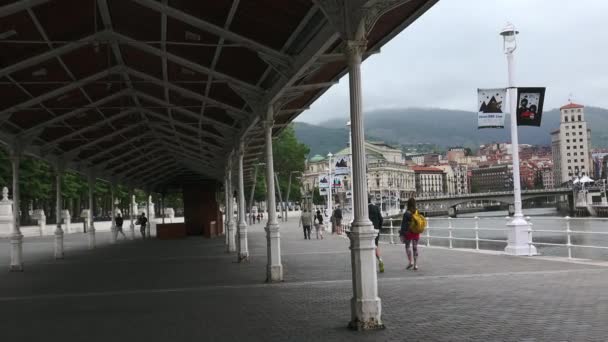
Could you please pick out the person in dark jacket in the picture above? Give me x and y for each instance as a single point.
(118, 220)
(337, 219)
(143, 221)
(408, 237)
(319, 224)
(376, 217)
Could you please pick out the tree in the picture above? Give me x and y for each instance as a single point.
(259, 194)
(5, 170)
(289, 155)
(174, 200)
(317, 198)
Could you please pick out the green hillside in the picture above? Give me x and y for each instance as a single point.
(443, 128)
(321, 140)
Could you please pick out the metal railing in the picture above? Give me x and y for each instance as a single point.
(568, 233)
(452, 231)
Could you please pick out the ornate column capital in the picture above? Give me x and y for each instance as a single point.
(268, 123)
(14, 153)
(354, 49)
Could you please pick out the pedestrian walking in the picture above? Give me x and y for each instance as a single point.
(319, 224)
(337, 215)
(259, 217)
(118, 221)
(376, 217)
(142, 221)
(306, 223)
(408, 237)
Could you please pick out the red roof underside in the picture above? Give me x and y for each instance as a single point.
(572, 106)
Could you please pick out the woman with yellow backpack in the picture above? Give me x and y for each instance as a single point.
(412, 225)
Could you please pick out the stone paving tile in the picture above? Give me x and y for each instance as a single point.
(191, 290)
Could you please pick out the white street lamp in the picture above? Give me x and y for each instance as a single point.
(518, 236)
(331, 184)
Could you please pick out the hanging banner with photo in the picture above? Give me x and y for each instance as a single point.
(323, 181)
(349, 194)
(530, 106)
(489, 108)
(338, 182)
(342, 166)
(323, 191)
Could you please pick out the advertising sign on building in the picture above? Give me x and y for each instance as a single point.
(489, 108)
(342, 166)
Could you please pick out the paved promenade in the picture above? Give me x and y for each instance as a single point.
(191, 290)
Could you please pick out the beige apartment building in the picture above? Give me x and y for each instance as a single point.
(571, 145)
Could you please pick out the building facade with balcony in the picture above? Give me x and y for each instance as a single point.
(430, 181)
(387, 174)
(390, 181)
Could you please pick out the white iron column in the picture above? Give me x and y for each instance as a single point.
(148, 214)
(58, 230)
(91, 232)
(365, 304)
(255, 178)
(274, 270)
(331, 184)
(162, 206)
(230, 214)
(113, 230)
(242, 247)
(350, 169)
(16, 236)
(517, 242)
(226, 207)
(131, 214)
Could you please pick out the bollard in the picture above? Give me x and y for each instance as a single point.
(132, 229)
(392, 233)
(450, 230)
(569, 242)
(476, 233)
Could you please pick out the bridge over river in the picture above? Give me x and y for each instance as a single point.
(452, 201)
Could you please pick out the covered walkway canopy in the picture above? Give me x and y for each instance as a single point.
(162, 93)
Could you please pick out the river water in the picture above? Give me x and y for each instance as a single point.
(542, 219)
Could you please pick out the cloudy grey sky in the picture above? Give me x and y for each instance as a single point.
(455, 48)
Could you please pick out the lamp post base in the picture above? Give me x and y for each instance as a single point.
(274, 267)
(363, 308)
(16, 252)
(366, 307)
(518, 238)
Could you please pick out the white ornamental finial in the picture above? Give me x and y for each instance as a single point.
(5, 194)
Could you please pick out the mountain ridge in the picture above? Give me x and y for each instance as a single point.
(407, 126)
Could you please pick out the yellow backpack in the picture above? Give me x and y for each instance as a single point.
(418, 223)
